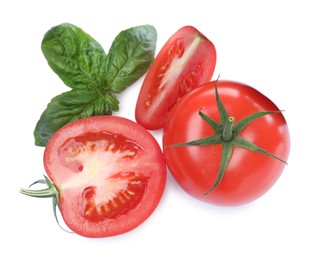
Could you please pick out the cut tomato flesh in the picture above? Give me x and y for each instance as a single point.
(95, 208)
(170, 74)
(99, 161)
(108, 172)
(186, 61)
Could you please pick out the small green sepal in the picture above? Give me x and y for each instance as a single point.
(49, 192)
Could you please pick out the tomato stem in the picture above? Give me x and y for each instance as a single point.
(44, 193)
(49, 192)
(227, 134)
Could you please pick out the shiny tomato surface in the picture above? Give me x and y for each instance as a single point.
(249, 174)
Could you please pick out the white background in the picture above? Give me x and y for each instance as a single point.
(267, 44)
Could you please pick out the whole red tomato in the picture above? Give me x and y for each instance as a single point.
(106, 174)
(222, 147)
(186, 61)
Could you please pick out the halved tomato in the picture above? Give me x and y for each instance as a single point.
(108, 174)
(186, 60)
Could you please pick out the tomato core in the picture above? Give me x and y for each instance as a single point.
(109, 191)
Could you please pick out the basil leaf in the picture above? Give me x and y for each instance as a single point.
(75, 56)
(82, 64)
(130, 56)
(70, 106)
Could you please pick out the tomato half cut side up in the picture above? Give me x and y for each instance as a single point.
(185, 61)
(109, 173)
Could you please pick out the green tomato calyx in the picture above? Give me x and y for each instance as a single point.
(49, 192)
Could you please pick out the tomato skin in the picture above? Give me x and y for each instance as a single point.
(148, 165)
(249, 174)
(185, 61)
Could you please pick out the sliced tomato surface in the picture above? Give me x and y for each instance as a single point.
(109, 172)
(185, 61)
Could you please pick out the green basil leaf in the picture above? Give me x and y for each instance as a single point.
(75, 56)
(82, 64)
(70, 106)
(130, 56)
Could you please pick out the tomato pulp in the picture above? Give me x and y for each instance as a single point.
(185, 61)
(109, 173)
(249, 174)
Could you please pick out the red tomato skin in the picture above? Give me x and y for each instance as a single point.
(201, 65)
(152, 166)
(249, 174)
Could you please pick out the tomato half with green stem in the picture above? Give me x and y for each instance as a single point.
(185, 61)
(106, 173)
(231, 145)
